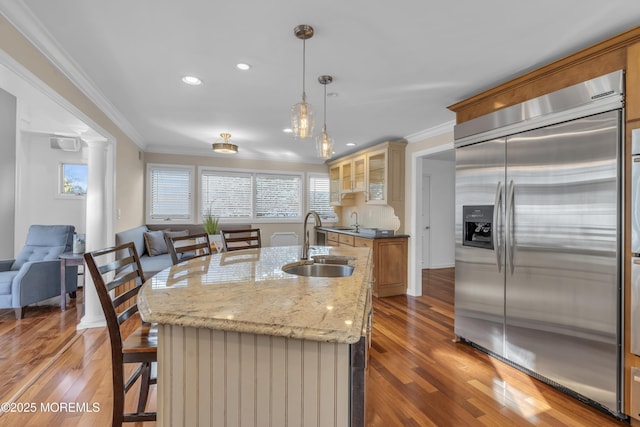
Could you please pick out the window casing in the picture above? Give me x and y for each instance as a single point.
(169, 193)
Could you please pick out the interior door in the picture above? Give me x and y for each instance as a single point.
(479, 281)
(562, 284)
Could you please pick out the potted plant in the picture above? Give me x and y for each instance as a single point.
(210, 224)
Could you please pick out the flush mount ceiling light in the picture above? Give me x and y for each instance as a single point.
(225, 147)
(191, 80)
(324, 143)
(302, 117)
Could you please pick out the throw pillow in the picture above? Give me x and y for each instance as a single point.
(154, 241)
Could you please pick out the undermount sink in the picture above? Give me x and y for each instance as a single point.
(318, 269)
(332, 259)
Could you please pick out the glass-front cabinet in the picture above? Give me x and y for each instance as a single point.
(377, 177)
(376, 173)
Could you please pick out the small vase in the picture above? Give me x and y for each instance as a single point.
(216, 240)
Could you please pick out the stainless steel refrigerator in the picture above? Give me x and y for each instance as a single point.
(538, 236)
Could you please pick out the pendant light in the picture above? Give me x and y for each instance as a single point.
(324, 143)
(302, 117)
(225, 147)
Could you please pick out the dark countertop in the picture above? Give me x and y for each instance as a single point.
(351, 232)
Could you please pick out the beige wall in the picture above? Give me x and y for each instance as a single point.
(266, 229)
(129, 171)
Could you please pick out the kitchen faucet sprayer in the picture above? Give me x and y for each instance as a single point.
(305, 233)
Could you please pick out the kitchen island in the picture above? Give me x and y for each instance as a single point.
(242, 343)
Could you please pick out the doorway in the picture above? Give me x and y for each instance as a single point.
(432, 227)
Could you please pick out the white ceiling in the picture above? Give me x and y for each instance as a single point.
(396, 65)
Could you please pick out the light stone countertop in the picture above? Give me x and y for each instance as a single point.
(247, 291)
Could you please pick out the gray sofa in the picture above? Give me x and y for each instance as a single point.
(153, 263)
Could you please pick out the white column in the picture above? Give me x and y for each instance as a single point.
(96, 228)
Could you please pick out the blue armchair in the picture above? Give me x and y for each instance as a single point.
(34, 275)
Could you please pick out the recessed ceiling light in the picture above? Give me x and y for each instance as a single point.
(333, 94)
(287, 130)
(242, 66)
(351, 144)
(191, 80)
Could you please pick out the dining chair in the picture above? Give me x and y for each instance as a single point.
(182, 248)
(117, 275)
(235, 240)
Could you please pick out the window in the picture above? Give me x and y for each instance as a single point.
(169, 193)
(318, 197)
(73, 179)
(227, 194)
(251, 196)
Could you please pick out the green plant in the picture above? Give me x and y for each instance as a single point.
(210, 223)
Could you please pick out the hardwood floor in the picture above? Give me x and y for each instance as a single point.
(417, 375)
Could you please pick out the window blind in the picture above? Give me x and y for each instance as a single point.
(318, 197)
(170, 193)
(278, 196)
(227, 194)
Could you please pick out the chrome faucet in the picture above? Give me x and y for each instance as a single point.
(305, 233)
(356, 225)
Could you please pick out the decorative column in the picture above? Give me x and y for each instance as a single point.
(96, 229)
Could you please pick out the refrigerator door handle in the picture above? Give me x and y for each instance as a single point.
(497, 248)
(510, 225)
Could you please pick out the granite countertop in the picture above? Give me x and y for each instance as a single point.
(247, 291)
(351, 232)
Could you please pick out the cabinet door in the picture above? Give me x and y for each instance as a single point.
(377, 177)
(334, 185)
(346, 176)
(390, 255)
(359, 173)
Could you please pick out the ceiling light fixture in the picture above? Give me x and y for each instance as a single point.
(225, 147)
(191, 80)
(302, 117)
(243, 66)
(324, 143)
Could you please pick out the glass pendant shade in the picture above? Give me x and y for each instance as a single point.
(302, 120)
(324, 145)
(302, 117)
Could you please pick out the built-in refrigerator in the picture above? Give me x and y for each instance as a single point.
(538, 236)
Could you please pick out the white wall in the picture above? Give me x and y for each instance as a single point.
(38, 201)
(7, 172)
(442, 245)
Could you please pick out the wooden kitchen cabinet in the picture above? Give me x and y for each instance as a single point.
(389, 262)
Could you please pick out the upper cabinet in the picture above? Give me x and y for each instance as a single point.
(378, 172)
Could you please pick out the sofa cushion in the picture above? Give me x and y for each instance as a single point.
(135, 235)
(155, 243)
(153, 264)
(6, 278)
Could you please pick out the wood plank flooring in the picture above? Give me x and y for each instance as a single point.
(417, 375)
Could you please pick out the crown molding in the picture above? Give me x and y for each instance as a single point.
(431, 132)
(21, 17)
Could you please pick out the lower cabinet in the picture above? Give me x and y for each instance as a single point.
(389, 263)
